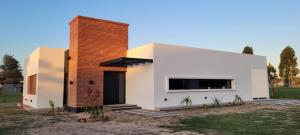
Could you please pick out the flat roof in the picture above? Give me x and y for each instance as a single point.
(96, 19)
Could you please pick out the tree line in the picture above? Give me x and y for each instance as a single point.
(288, 68)
(10, 70)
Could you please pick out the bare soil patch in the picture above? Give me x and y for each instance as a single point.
(119, 123)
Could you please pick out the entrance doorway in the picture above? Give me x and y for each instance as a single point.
(114, 87)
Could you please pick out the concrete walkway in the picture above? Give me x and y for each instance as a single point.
(149, 113)
(284, 102)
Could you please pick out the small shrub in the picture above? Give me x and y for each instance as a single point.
(51, 104)
(187, 101)
(95, 111)
(237, 100)
(93, 108)
(204, 106)
(216, 102)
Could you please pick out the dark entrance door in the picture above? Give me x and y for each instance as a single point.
(65, 99)
(114, 88)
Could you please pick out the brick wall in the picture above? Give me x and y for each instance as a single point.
(93, 41)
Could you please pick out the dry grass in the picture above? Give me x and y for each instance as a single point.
(16, 121)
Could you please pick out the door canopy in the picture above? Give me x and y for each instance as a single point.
(126, 62)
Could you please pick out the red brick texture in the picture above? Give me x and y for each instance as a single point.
(93, 41)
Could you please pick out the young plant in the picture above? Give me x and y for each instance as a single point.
(93, 108)
(187, 101)
(51, 104)
(217, 102)
(94, 111)
(237, 100)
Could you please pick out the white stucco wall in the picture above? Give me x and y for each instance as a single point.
(259, 85)
(48, 64)
(31, 68)
(187, 62)
(140, 79)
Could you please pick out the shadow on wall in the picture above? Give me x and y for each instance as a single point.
(46, 65)
(51, 74)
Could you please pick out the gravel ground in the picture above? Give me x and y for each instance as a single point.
(127, 124)
(16, 121)
(102, 128)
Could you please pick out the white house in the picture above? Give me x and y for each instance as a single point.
(154, 76)
(44, 78)
(178, 72)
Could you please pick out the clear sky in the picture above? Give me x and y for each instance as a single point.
(229, 25)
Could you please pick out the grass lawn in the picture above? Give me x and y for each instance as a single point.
(10, 97)
(291, 93)
(264, 122)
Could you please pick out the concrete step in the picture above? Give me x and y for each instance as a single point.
(125, 108)
(118, 107)
(149, 113)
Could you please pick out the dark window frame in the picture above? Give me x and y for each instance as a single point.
(175, 84)
(32, 81)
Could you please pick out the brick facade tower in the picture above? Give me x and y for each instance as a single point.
(92, 41)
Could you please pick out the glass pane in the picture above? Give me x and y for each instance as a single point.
(186, 84)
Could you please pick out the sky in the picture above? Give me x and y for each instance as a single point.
(228, 25)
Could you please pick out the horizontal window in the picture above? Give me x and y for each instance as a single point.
(186, 84)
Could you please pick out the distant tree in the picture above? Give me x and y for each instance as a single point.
(10, 70)
(272, 77)
(248, 50)
(288, 66)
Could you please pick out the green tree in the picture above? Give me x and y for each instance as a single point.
(11, 70)
(272, 77)
(288, 66)
(248, 50)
